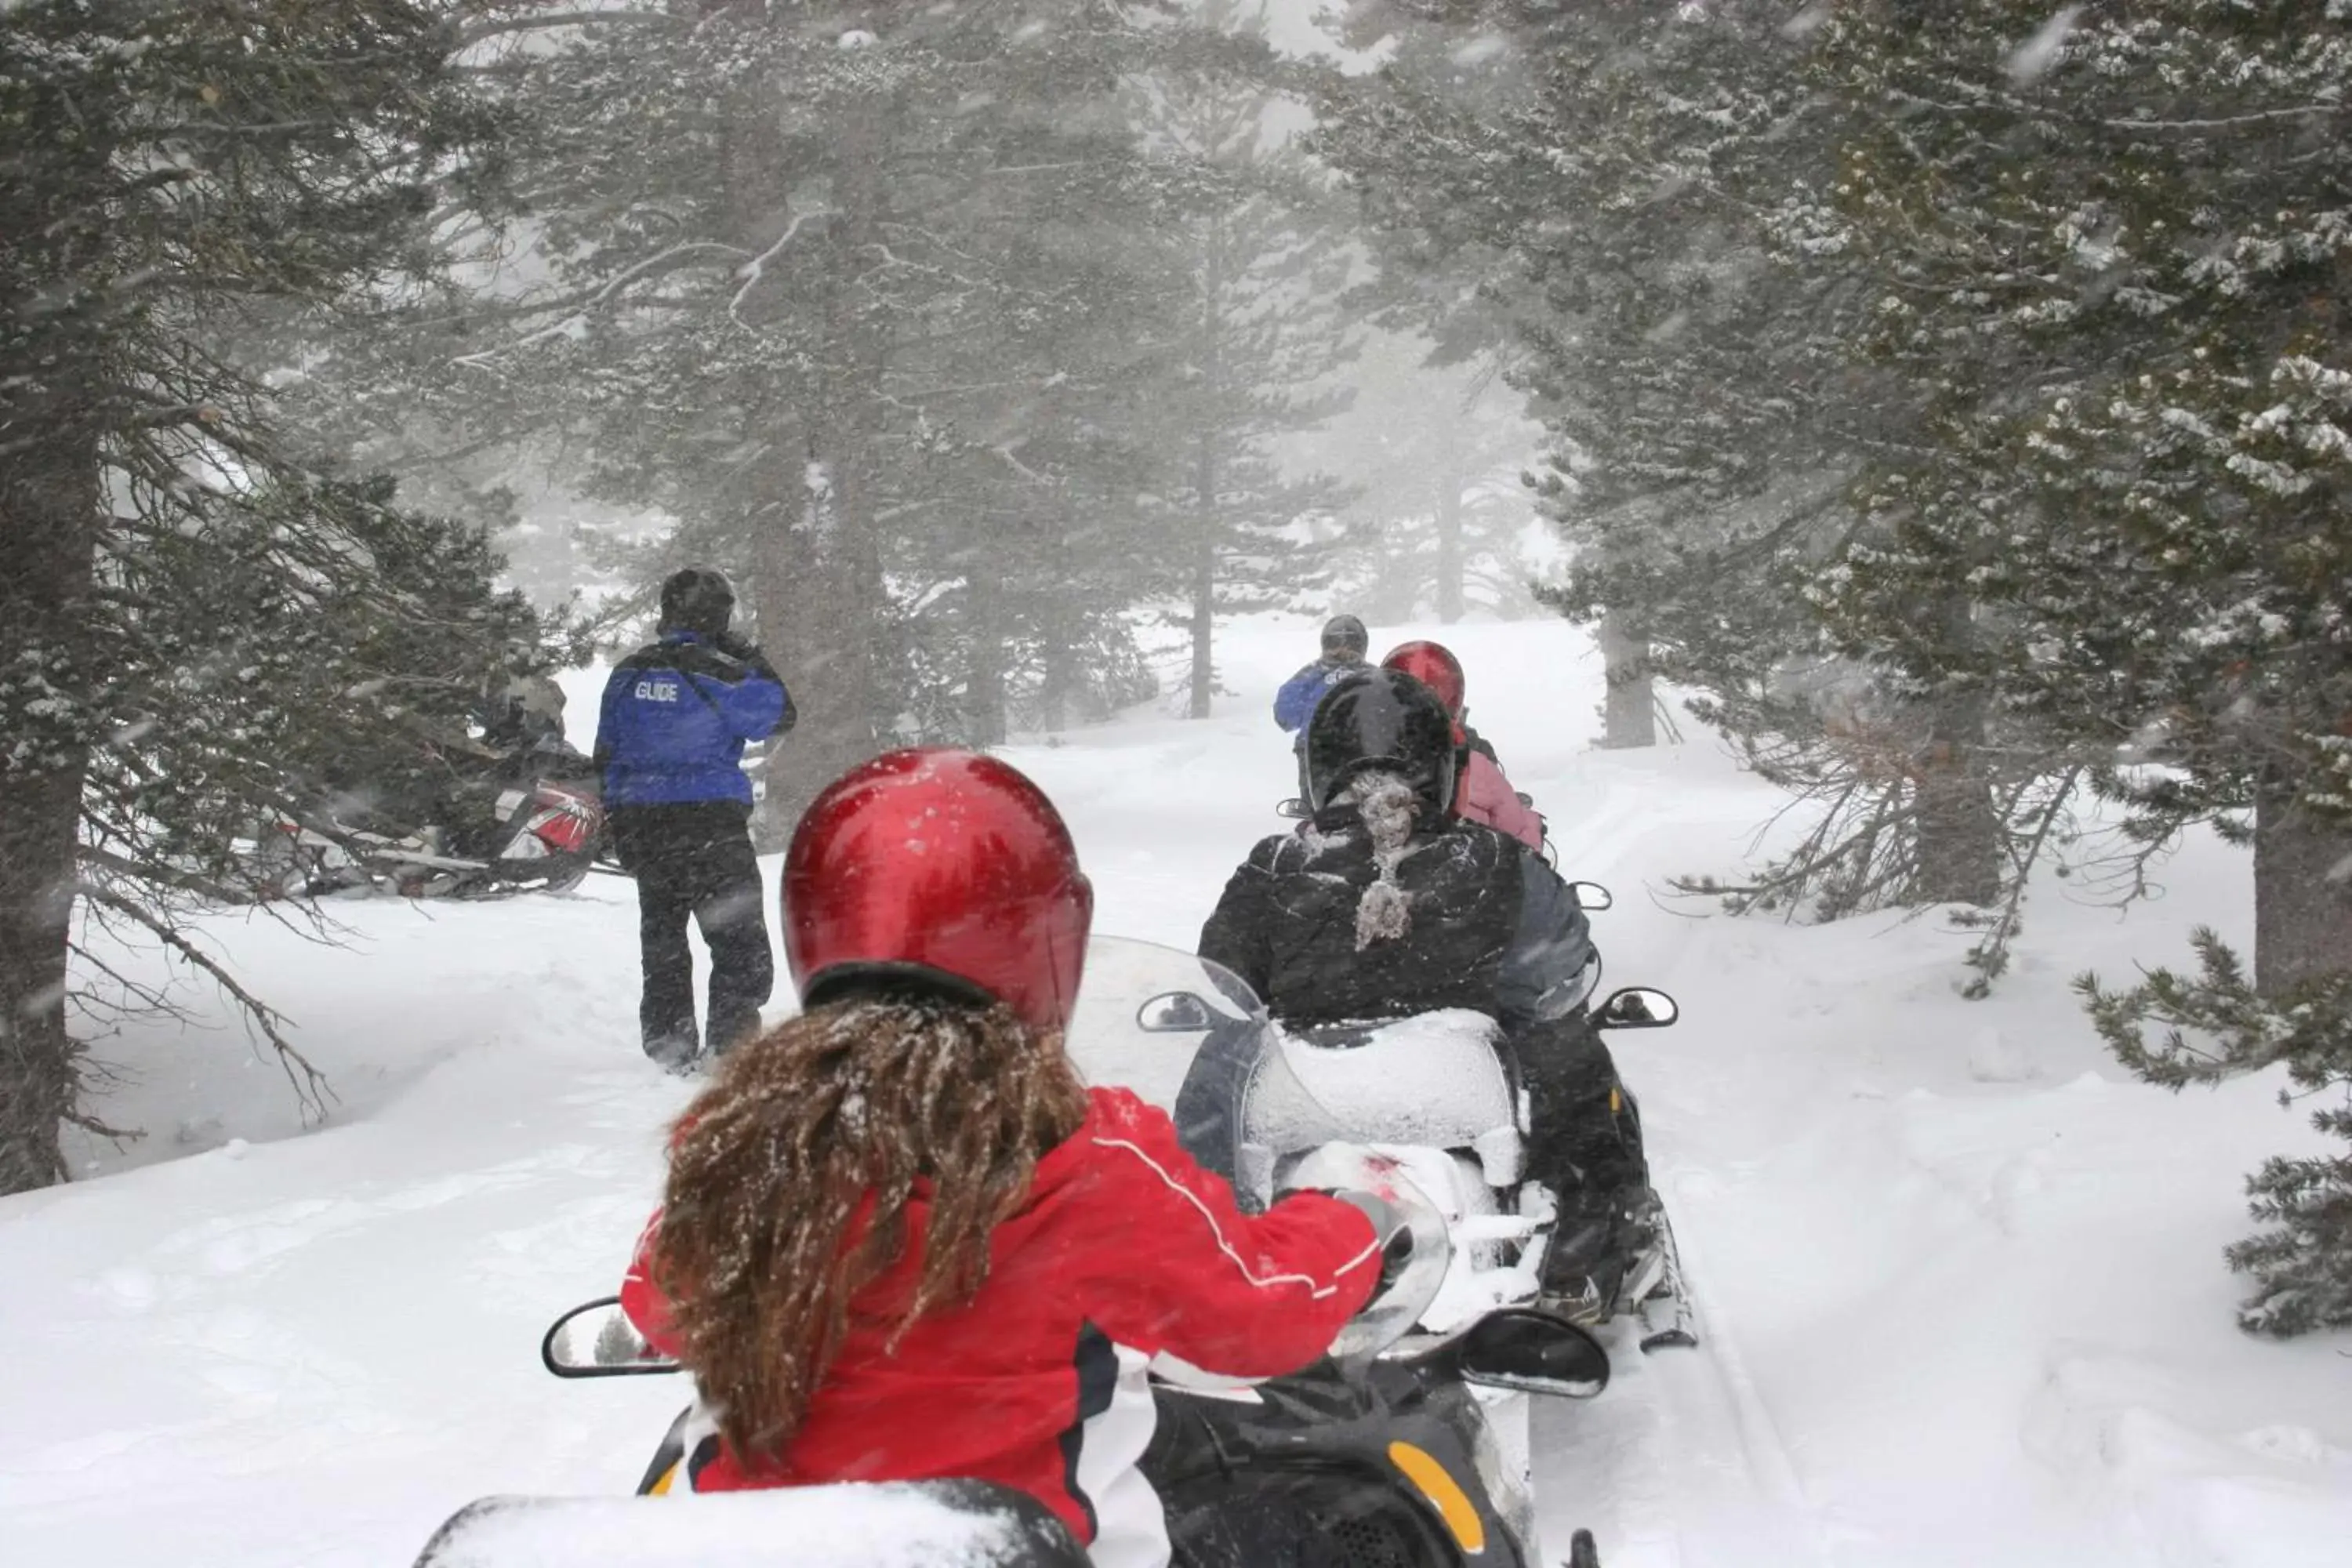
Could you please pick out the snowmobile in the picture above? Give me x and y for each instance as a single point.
(1401, 1449)
(535, 820)
(1439, 1091)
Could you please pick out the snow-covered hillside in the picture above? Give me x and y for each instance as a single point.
(1962, 1292)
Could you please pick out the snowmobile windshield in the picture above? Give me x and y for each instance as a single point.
(1191, 1037)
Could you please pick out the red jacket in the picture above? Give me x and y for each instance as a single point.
(1124, 1250)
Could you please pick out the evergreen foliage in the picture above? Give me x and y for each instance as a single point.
(2216, 1025)
(1264, 261)
(1967, 418)
(896, 315)
(196, 633)
(1626, 186)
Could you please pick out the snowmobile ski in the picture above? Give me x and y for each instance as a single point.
(1668, 1299)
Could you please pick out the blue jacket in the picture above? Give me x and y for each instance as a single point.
(675, 718)
(1295, 704)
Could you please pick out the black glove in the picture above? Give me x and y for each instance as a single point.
(1388, 1228)
(1395, 1257)
(736, 645)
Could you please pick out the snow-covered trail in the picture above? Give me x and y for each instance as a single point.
(1959, 1279)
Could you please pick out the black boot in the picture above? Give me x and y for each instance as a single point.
(1597, 1260)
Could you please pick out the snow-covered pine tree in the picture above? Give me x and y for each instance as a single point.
(2115, 245)
(193, 629)
(2217, 1025)
(1627, 186)
(1264, 245)
(869, 308)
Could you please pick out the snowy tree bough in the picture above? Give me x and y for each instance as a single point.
(197, 634)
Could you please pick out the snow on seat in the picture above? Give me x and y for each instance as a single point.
(1435, 1079)
(938, 1524)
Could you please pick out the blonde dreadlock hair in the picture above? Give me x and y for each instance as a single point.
(1389, 809)
(773, 1163)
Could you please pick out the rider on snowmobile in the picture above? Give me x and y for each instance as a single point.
(1384, 904)
(1481, 792)
(900, 1240)
(1345, 644)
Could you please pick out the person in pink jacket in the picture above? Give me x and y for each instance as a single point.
(1481, 792)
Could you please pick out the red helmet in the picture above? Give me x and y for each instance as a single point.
(941, 865)
(1435, 666)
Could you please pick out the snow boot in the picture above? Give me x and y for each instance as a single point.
(1600, 1259)
(678, 1055)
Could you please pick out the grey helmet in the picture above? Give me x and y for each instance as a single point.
(1345, 634)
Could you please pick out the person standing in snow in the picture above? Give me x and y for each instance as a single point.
(1384, 904)
(901, 1241)
(669, 748)
(1345, 644)
(1481, 792)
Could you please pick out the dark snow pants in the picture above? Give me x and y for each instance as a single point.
(1583, 1140)
(695, 861)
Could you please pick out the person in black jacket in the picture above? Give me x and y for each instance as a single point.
(1384, 905)
(669, 745)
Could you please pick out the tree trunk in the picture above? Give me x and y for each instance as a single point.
(1204, 584)
(1060, 679)
(836, 596)
(785, 568)
(1629, 712)
(1959, 832)
(769, 492)
(2303, 906)
(984, 679)
(1449, 546)
(48, 509)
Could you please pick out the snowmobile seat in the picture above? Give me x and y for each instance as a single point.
(926, 1524)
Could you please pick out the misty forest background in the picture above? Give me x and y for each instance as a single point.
(1950, 401)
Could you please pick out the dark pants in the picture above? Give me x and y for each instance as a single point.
(1583, 1140)
(696, 861)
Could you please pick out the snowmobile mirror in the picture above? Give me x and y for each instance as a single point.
(598, 1341)
(1592, 896)
(1534, 1353)
(1637, 1008)
(1293, 808)
(1174, 1012)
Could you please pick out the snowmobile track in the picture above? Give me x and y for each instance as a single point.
(1681, 1464)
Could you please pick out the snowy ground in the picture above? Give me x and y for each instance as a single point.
(1959, 1279)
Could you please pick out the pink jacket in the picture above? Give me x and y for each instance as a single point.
(1484, 794)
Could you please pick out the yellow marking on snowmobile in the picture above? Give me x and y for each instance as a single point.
(1616, 1103)
(1453, 1504)
(661, 1487)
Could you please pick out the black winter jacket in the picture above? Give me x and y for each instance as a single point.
(1493, 928)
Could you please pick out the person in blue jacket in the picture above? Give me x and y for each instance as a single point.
(669, 745)
(1344, 645)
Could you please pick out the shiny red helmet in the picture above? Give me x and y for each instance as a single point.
(942, 866)
(1435, 666)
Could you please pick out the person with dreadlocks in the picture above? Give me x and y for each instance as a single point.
(1384, 904)
(901, 1241)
